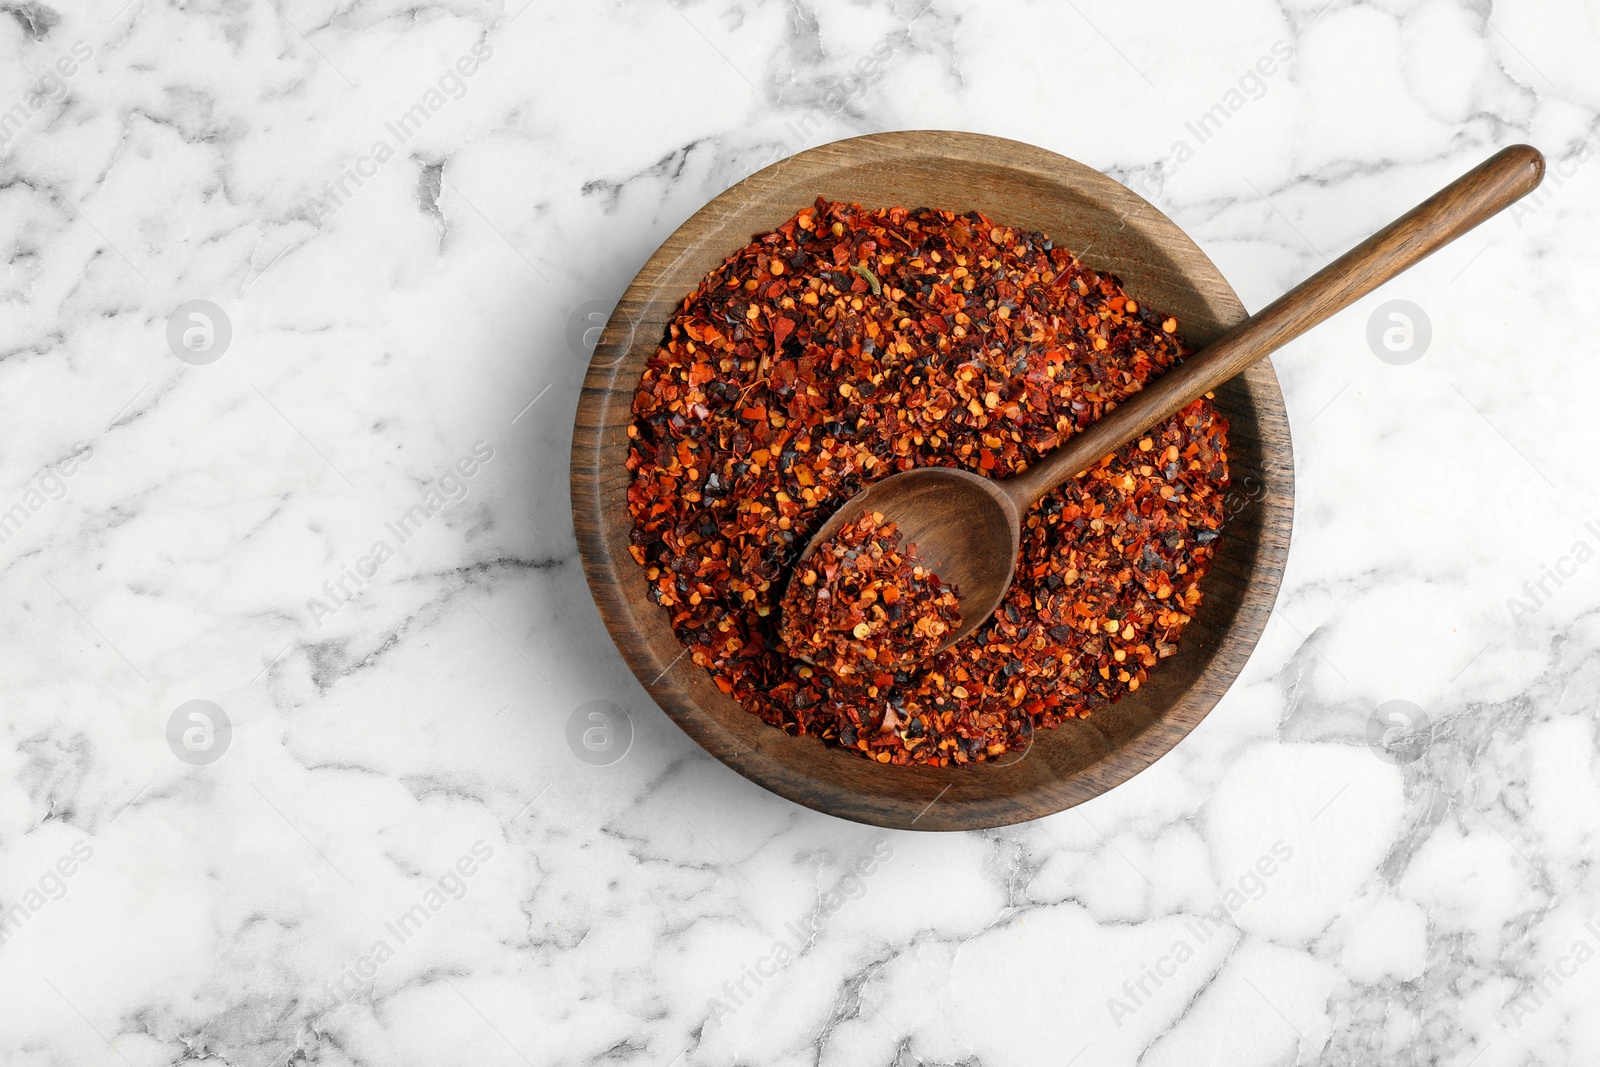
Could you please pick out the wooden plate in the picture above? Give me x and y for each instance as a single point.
(1112, 229)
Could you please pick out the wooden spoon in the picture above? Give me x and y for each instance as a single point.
(968, 528)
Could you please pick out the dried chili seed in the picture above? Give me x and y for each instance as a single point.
(864, 604)
(788, 380)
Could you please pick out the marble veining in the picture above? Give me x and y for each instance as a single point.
(315, 750)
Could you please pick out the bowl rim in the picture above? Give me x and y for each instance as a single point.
(669, 682)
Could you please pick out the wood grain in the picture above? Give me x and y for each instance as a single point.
(1112, 229)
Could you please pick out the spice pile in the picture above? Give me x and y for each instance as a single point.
(853, 343)
(860, 602)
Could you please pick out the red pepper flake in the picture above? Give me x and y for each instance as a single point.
(862, 602)
(781, 329)
(890, 339)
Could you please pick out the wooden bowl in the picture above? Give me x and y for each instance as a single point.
(1113, 230)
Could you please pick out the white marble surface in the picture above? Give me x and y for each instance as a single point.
(244, 911)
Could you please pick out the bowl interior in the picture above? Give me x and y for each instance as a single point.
(1112, 229)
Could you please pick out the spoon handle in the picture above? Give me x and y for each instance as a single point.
(1473, 198)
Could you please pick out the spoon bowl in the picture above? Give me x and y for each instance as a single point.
(964, 526)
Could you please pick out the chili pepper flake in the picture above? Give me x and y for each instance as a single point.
(790, 379)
